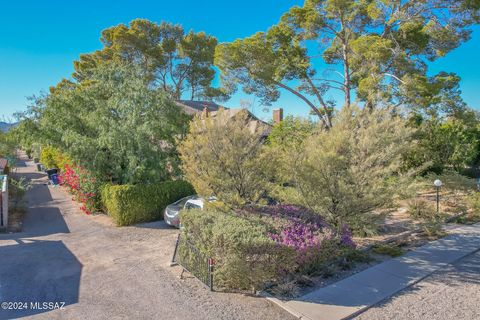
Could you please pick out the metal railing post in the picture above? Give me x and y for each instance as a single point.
(211, 264)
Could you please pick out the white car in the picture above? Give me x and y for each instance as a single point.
(171, 214)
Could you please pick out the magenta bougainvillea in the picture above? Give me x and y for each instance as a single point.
(82, 185)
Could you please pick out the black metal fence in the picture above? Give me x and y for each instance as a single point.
(193, 261)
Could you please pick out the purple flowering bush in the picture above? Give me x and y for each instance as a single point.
(256, 247)
(312, 239)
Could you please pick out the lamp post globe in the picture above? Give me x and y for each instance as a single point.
(438, 183)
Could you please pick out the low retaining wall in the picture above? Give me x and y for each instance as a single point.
(4, 202)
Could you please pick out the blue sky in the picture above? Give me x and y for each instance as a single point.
(40, 39)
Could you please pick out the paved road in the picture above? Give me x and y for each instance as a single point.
(101, 271)
(452, 293)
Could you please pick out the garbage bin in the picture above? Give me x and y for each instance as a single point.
(50, 172)
(54, 179)
(39, 167)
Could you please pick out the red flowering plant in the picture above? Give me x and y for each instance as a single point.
(82, 184)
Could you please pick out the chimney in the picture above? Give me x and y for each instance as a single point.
(277, 115)
(205, 112)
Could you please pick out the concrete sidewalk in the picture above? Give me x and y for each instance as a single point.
(355, 294)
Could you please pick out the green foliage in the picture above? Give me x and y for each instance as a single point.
(7, 145)
(130, 204)
(381, 47)
(116, 126)
(177, 62)
(222, 156)
(449, 144)
(284, 150)
(17, 190)
(51, 157)
(245, 257)
(354, 168)
(263, 64)
(388, 250)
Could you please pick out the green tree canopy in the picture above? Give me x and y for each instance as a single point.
(180, 63)
(378, 49)
(116, 125)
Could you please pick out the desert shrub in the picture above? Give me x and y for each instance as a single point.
(453, 181)
(388, 250)
(222, 156)
(424, 211)
(130, 204)
(354, 168)
(472, 215)
(420, 208)
(245, 256)
(316, 244)
(263, 245)
(287, 289)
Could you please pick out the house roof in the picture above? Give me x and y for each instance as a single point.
(193, 107)
(254, 124)
(3, 164)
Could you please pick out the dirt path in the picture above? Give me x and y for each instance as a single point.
(103, 272)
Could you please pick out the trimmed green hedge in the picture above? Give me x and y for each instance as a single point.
(130, 204)
(245, 257)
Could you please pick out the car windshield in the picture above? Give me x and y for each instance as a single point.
(182, 202)
(192, 206)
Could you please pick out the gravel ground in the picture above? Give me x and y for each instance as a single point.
(101, 271)
(451, 293)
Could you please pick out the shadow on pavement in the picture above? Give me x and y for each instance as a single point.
(39, 194)
(21, 163)
(154, 225)
(32, 176)
(38, 271)
(43, 221)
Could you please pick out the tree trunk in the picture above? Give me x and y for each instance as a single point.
(346, 74)
(325, 120)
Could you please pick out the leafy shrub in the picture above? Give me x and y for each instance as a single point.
(130, 204)
(52, 157)
(245, 256)
(17, 190)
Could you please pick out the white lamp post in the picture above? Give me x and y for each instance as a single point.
(438, 183)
